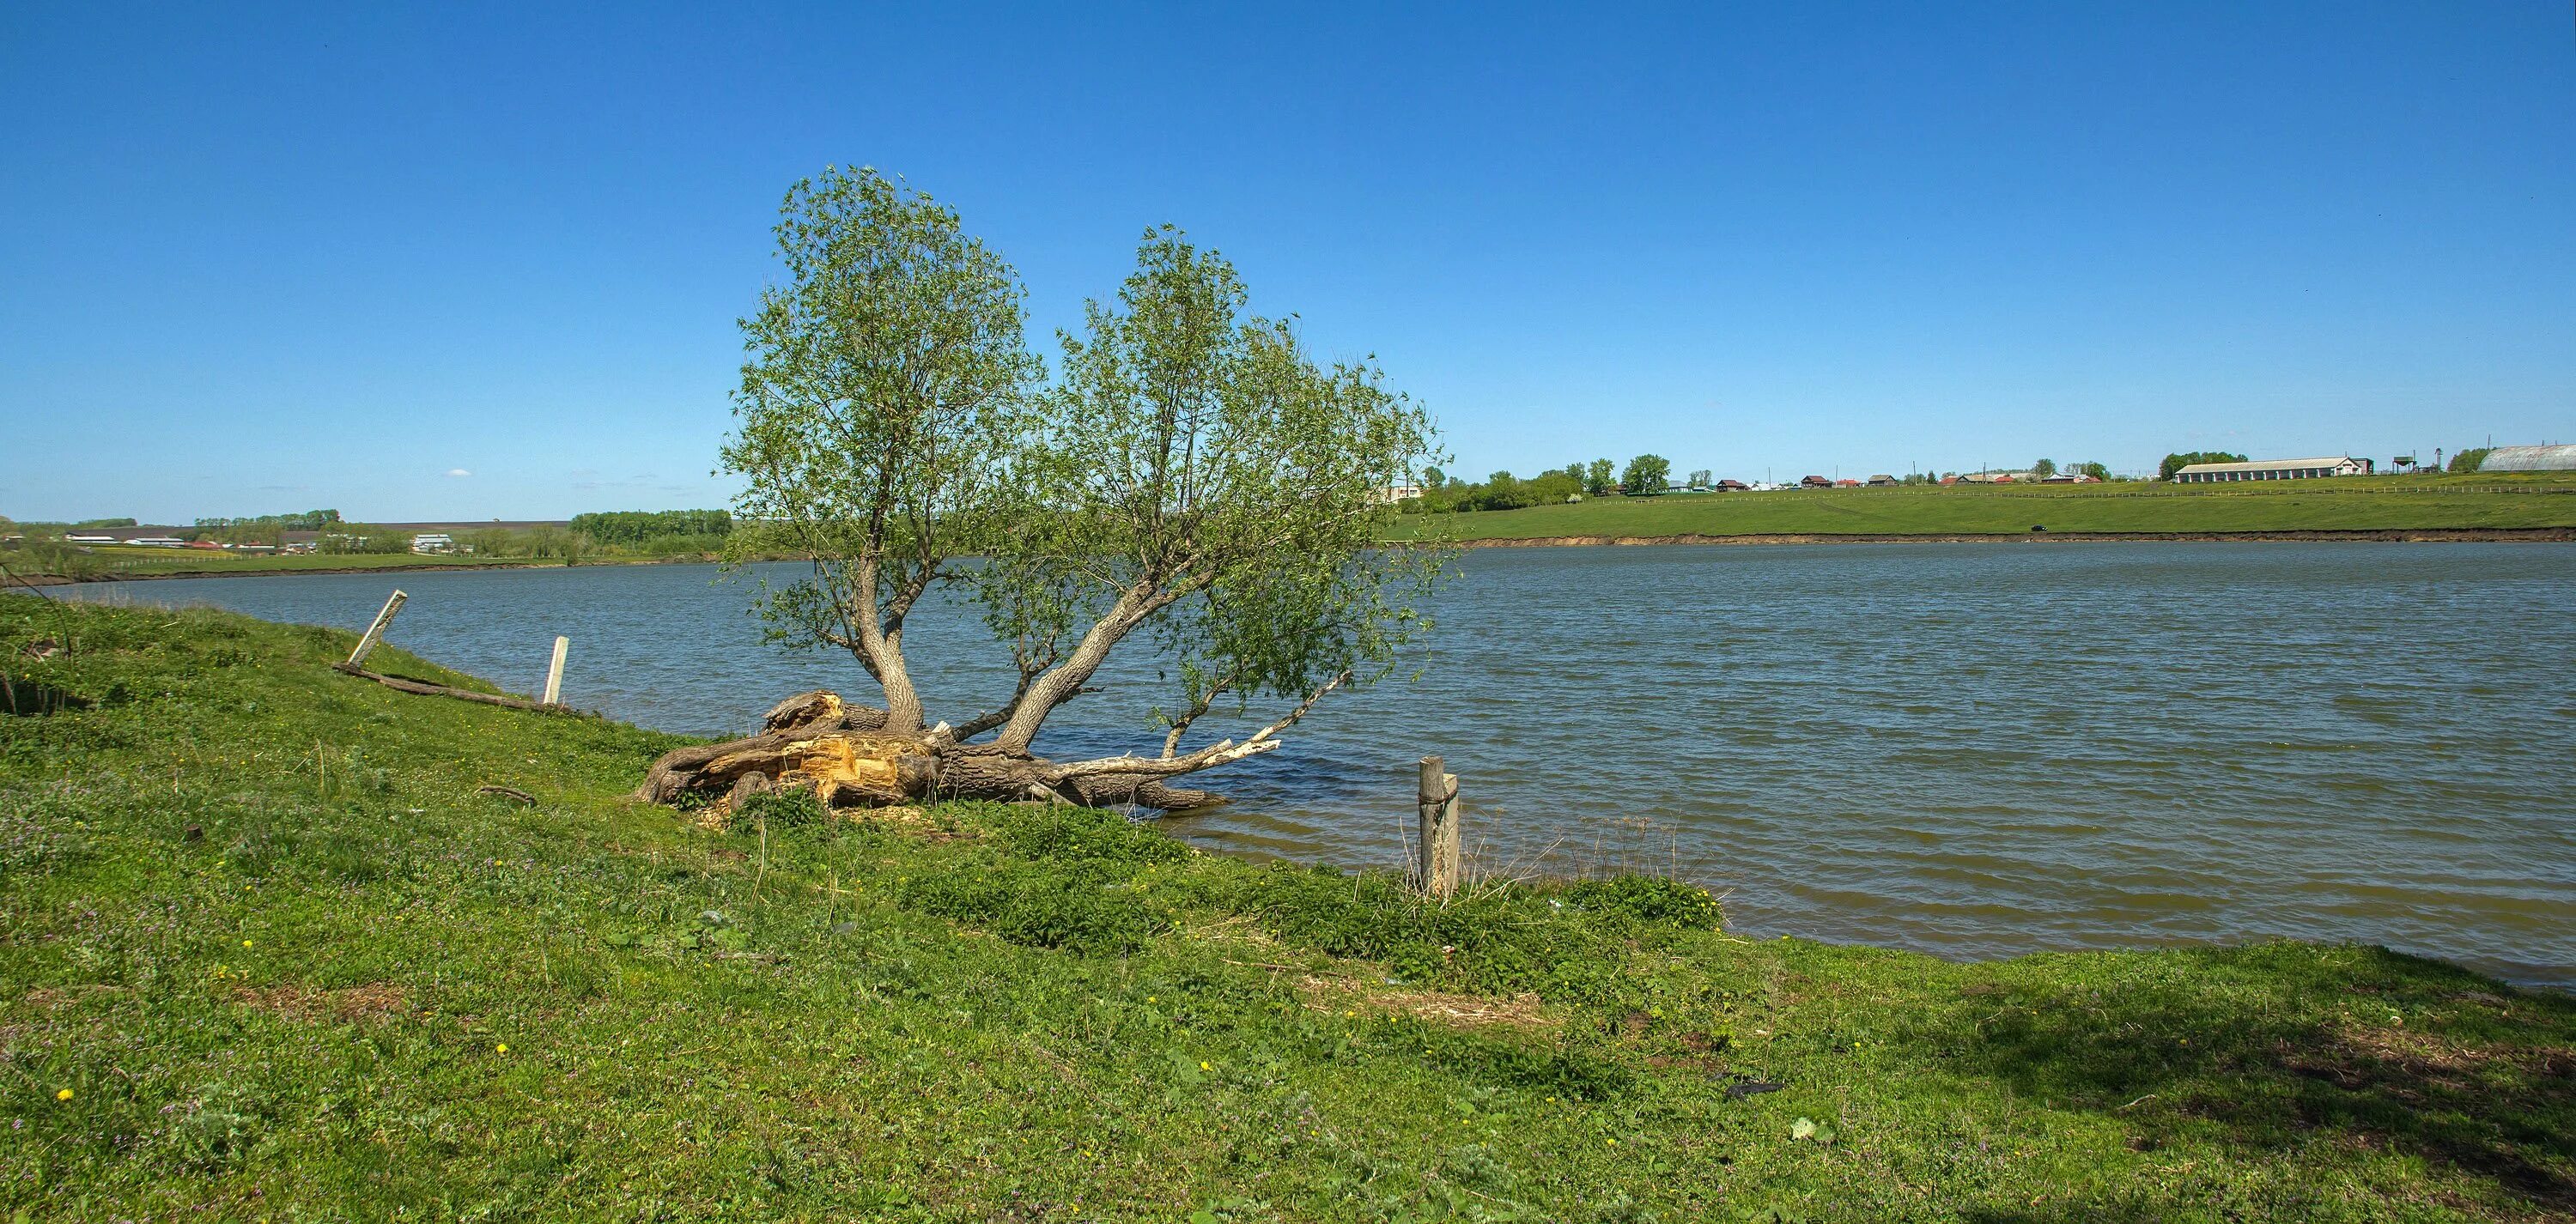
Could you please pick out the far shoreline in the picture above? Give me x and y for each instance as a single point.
(48, 580)
(2389, 535)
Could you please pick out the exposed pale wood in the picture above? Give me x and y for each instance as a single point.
(840, 753)
(841, 768)
(506, 792)
(554, 671)
(375, 631)
(820, 709)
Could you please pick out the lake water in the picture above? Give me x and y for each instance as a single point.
(1973, 750)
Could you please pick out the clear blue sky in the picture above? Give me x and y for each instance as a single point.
(258, 259)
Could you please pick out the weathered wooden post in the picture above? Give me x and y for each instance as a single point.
(554, 672)
(375, 631)
(1436, 800)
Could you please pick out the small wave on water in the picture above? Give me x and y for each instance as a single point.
(1969, 750)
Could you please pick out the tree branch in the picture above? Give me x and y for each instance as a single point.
(1172, 740)
(1292, 716)
(1222, 752)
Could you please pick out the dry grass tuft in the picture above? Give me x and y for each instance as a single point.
(1343, 994)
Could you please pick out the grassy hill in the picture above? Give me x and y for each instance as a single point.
(266, 952)
(2357, 503)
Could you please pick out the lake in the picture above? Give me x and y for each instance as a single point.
(1973, 750)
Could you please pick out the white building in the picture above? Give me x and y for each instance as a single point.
(432, 542)
(89, 539)
(158, 542)
(2530, 459)
(2274, 469)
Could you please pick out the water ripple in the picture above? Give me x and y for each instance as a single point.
(1973, 750)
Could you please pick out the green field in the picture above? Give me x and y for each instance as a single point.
(161, 562)
(2357, 503)
(266, 953)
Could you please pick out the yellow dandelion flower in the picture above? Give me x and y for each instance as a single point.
(64, 1095)
(502, 1048)
(1203, 1065)
(245, 943)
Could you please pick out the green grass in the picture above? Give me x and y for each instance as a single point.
(259, 925)
(2356, 503)
(119, 562)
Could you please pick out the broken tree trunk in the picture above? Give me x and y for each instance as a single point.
(818, 743)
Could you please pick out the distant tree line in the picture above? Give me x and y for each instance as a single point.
(310, 520)
(615, 528)
(2470, 460)
(1442, 493)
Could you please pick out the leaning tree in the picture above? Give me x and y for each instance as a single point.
(1193, 482)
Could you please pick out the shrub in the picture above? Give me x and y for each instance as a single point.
(1084, 833)
(777, 809)
(1648, 899)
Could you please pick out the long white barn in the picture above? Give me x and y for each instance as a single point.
(2274, 469)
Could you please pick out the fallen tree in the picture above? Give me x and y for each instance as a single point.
(1192, 481)
(842, 754)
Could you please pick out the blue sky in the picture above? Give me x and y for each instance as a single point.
(260, 259)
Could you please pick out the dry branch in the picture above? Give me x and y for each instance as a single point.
(426, 689)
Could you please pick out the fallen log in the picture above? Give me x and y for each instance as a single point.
(426, 689)
(816, 742)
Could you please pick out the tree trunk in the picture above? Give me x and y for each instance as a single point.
(839, 752)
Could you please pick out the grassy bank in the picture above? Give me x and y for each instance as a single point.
(2359, 503)
(268, 953)
(120, 564)
(110, 563)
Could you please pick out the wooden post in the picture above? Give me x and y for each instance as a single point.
(554, 672)
(1436, 799)
(376, 630)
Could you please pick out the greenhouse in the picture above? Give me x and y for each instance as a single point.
(2530, 459)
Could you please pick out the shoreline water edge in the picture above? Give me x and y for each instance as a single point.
(2390, 535)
